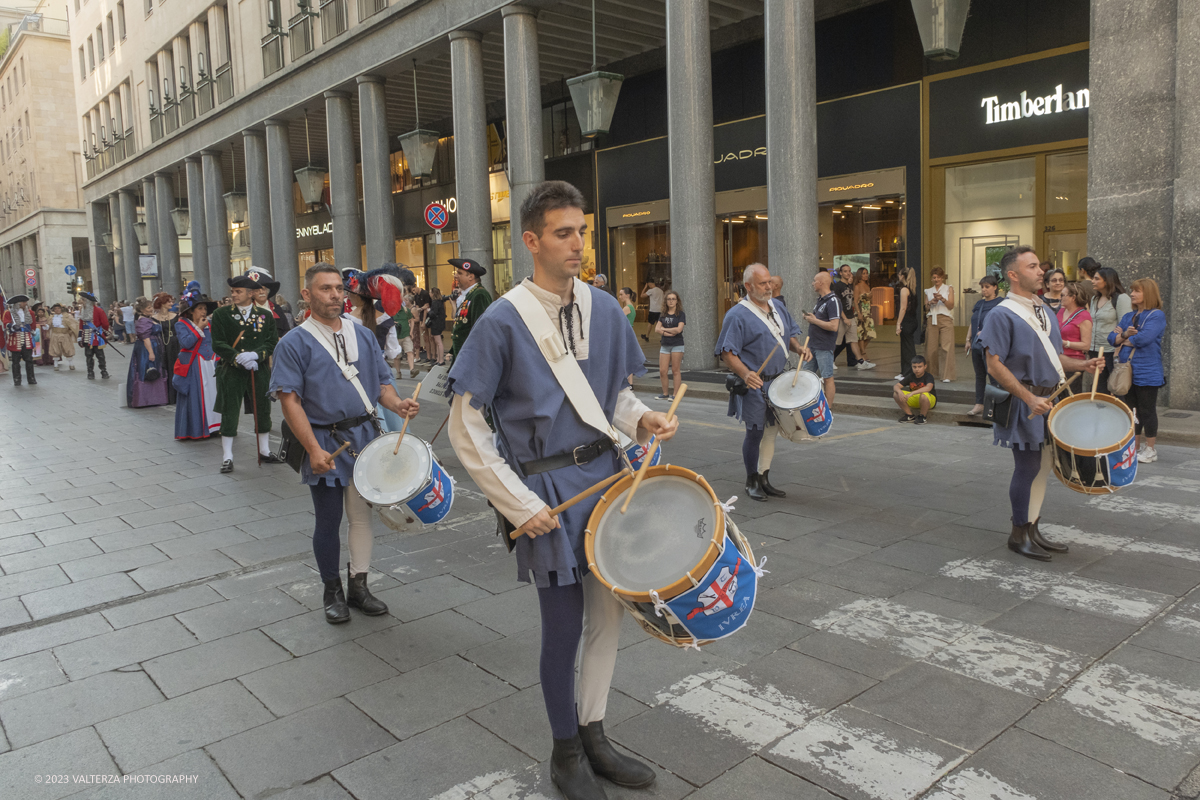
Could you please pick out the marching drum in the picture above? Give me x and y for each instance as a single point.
(635, 452)
(409, 484)
(1095, 451)
(675, 561)
(801, 411)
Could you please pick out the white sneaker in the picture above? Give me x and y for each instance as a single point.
(899, 377)
(1141, 448)
(1147, 456)
(865, 365)
(945, 380)
(835, 367)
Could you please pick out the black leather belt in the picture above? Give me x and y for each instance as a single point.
(1039, 391)
(345, 424)
(580, 455)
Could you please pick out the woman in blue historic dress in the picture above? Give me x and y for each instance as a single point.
(148, 353)
(194, 377)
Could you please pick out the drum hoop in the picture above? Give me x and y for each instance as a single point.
(694, 574)
(784, 376)
(1079, 485)
(1096, 451)
(421, 488)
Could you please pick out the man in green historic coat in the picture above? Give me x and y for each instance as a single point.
(244, 337)
(475, 301)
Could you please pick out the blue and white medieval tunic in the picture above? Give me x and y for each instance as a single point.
(747, 336)
(303, 366)
(500, 370)
(1020, 349)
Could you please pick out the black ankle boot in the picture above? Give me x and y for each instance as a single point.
(336, 609)
(1019, 542)
(360, 597)
(1036, 537)
(767, 487)
(754, 487)
(571, 772)
(607, 762)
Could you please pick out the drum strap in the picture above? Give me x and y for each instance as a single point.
(562, 363)
(1043, 333)
(310, 326)
(774, 327)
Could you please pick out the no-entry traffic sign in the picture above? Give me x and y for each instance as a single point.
(31, 273)
(437, 216)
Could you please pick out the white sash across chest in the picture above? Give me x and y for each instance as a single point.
(775, 328)
(349, 371)
(1030, 319)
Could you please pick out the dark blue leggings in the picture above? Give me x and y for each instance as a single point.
(1026, 465)
(327, 544)
(562, 627)
(750, 447)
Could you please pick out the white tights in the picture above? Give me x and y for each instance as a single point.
(766, 450)
(602, 615)
(358, 536)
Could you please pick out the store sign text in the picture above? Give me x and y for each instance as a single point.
(742, 155)
(848, 188)
(635, 214)
(314, 230)
(1035, 106)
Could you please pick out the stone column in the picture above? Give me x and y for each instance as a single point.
(1183, 294)
(378, 222)
(1134, 187)
(123, 221)
(343, 189)
(196, 226)
(168, 238)
(523, 110)
(283, 210)
(258, 200)
(793, 247)
(104, 277)
(690, 138)
(217, 223)
(471, 152)
(150, 206)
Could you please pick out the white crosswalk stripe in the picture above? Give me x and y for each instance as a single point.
(975, 784)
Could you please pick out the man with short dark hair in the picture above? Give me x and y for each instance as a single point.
(916, 391)
(1024, 354)
(474, 302)
(654, 296)
(847, 337)
(543, 452)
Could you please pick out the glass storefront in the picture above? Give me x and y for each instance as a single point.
(867, 233)
(640, 252)
(743, 242)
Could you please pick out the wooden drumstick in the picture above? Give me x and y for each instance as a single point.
(796, 377)
(764, 364)
(404, 427)
(637, 479)
(584, 495)
(1096, 376)
(1058, 391)
(338, 452)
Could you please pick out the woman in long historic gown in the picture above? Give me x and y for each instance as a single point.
(195, 378)
(148, 353)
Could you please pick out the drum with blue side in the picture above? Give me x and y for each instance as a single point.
(406, 486)
(801, 411)
(1095, 450)
(635, 452)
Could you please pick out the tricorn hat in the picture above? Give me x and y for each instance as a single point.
(91, 298)
(470, 265)
(193, 298)
(18, 298)
(255, 278)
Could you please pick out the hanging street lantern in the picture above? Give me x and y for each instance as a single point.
(107, 240)
(941, 23)
(420, 150)
(182, 220)
(235, 206)
(139, 229)
(595, 99)
(312, 183)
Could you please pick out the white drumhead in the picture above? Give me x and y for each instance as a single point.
(386, 479)
(665, 533)
(782, 394)
(1090, 425)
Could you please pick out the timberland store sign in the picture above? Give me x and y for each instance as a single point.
(1043, 101)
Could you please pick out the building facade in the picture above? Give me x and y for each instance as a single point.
(43, 232)
(801, 134)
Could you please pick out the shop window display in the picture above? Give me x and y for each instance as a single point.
(639, 253)
(867, 233)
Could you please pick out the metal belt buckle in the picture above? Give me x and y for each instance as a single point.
(575, 454)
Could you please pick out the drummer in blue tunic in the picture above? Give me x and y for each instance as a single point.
(543, 453)
(752, 329)
(1024, 354)
(316, 366)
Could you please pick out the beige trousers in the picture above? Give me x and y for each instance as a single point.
(602, 615)
(939, 348)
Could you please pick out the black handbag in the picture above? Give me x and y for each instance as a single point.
(152, 374)
(290, 449)
(735, 385)
(997, 405)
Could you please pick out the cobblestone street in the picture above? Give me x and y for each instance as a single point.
(160, 619)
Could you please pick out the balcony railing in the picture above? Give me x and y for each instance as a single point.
(272, 53)
(333, 19)
(156, 125)
(187, 106)
(300, 33)
(224, 78)
(170, 117)
(130, 147)
(367, 8)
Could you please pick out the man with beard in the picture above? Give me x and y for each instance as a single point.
(757, 332)
(18, 331)
(93, 328)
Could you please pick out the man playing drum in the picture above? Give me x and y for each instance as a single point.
(1024, 355)
(757, 332)
(543, 453)
(322, 371)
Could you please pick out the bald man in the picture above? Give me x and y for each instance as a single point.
(823, 322)
(757, 332)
